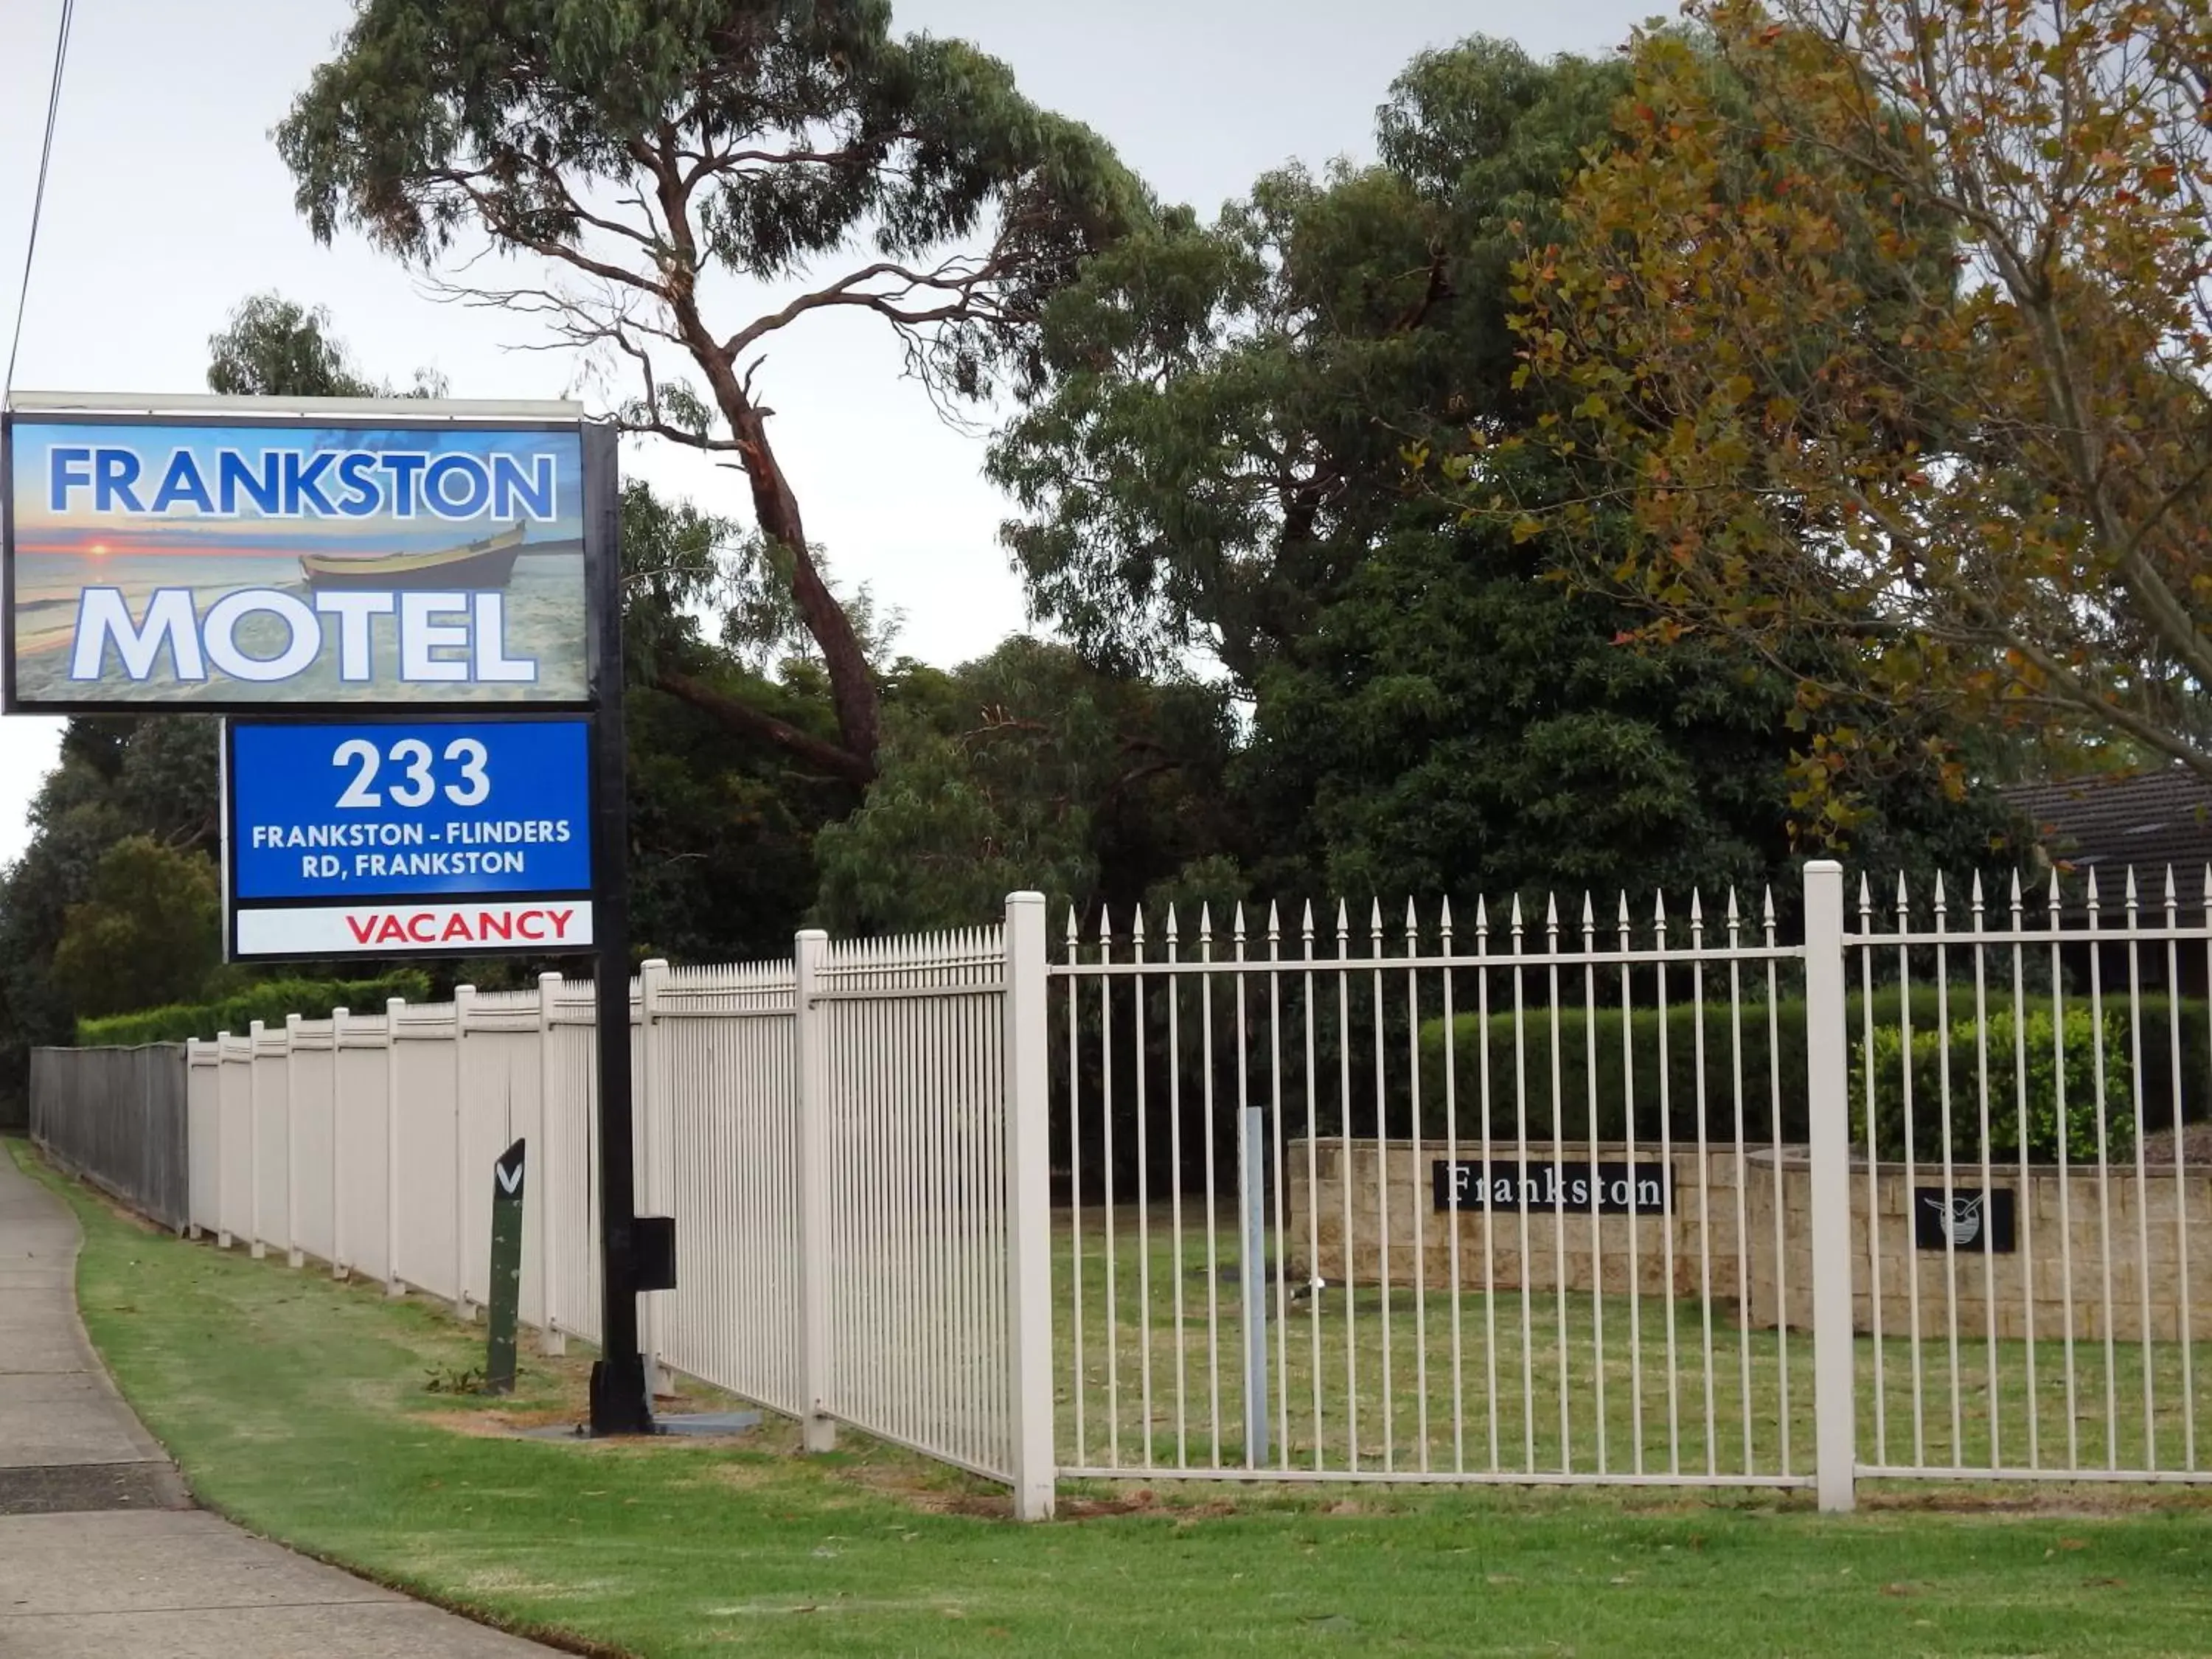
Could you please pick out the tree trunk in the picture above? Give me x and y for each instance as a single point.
(852, 681)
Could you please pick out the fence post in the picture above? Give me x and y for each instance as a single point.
(394, 1284)
(340, 1267)
(652, 1126)
(1029, 1222)
(192, 1217)
(182, 1142)
(293, 1255)
(222, 1238)
(551, 1340)
(821, 1432)
(464, 996)
(254, 1030)
(1827, 1062)
(149, 1140)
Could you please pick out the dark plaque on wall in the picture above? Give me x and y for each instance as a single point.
(1575, 1188)
(1971, 1219)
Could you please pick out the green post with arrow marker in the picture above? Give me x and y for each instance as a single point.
(506, 1268)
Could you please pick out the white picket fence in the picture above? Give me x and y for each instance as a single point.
(839, 1138)
(1537, 1199)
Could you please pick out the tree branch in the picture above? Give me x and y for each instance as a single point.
(827, 758)
(846, 291)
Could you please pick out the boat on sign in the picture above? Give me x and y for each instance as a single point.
(489, 563)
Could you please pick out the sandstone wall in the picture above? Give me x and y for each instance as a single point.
(2112, 1249)
(2110, 1246)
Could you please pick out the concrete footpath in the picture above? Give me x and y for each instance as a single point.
(101, 1553)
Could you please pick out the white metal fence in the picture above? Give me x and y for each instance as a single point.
(836, 1135)
(1430, 1198)
(1699, 1194)
(911, 1207)
(2035, 1105)
(1544, 1195)
(295, 1133)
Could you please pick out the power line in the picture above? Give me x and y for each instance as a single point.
(38, 197)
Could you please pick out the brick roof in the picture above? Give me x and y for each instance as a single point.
(2147, 820)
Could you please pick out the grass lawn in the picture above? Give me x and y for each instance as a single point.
(1369, 1371)
(299, 1408)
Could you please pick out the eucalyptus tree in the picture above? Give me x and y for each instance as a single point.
(666, 164)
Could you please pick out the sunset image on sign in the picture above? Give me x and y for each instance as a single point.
(260, 565)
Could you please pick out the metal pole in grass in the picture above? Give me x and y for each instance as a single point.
(1254, 1194)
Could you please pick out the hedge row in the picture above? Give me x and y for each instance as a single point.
(268, 1001)
(1946, 1072)
(1770, 1062)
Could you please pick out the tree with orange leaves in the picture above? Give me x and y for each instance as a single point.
(1889, 324)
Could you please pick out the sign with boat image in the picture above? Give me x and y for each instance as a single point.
(220, 563)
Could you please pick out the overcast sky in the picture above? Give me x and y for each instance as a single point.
(167, 204)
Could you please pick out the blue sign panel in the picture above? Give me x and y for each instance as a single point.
(344, 812)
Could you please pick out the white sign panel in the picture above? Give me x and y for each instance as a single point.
(553, 925)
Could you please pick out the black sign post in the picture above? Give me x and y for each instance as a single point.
(506, 1274)
(621, 1403)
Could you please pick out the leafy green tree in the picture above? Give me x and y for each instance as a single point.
(1454, 719)
(1232, 403)
(1231, 461)
(273, 347)
(722, 823)
(117, 777)
(650, 151)
(151, 934)
(1028, 769)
